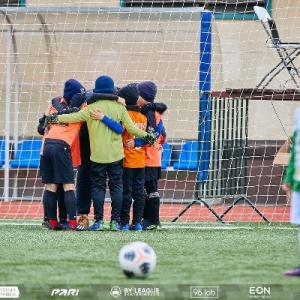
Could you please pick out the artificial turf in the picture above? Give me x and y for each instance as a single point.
(232, 258)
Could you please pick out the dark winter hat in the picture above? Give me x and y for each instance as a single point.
(72, 87)
(129, 93)
(104, 84)
(147, 90)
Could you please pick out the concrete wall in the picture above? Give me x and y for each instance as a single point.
(54, 45)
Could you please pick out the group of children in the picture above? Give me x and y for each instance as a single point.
(95, 131)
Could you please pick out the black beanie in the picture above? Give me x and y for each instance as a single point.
(129, 93)
(147, 90)
(72, 87)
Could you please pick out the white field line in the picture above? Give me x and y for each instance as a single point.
(171, 226)
(20, 224)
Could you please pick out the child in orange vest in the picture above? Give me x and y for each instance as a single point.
(60, 154)
(153, 111)
(133, 165)
(56, 165)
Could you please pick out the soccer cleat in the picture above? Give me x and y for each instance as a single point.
(65, 224)
(152, 226)
(136, 227)
(77, 227)
(98, 225)
(114, 225)
(45, 224)
(124, 227)
(57, 227)
(54, 225)
(294, 272)
(74, 226)
(145, 223)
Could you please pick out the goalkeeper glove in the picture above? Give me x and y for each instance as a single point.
(50, 119)
(150, 138)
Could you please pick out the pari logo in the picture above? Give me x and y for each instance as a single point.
(260, 292)
(65, 292)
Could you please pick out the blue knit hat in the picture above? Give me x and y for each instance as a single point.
(72, 87)
(147, 90)
(104, 84)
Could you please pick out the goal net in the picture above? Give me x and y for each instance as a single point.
(223, 129)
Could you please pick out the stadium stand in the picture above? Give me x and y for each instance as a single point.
(166, 155)
(187, 158)
(2, 152)
(27, 154)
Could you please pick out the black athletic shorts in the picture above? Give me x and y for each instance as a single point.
(152, 173)
(56, 162)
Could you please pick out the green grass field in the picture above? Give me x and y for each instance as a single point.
(233, 257)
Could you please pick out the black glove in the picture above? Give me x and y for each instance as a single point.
(68, 111)
(147, 107)
(150, 138)
(160, 107)
(157, 106)
(40, 127)
(50, 119)
(163, 133)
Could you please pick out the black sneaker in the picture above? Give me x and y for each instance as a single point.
(57, 227)
(152, 226)
(45, 224)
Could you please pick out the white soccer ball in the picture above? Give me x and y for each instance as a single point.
(137, 260)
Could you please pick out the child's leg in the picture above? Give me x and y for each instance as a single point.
(98, 181)
(295, 212)
(115, 184)
(50, 204)
(295, 219)
(153, 202)
(138, 195)
(127, 196)
(62, 210)
(295, 208)
(70, 200)
(83, 184)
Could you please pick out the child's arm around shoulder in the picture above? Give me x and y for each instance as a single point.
(97, 114)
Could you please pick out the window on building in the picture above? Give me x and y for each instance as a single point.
(12, 3)
(233, 9)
